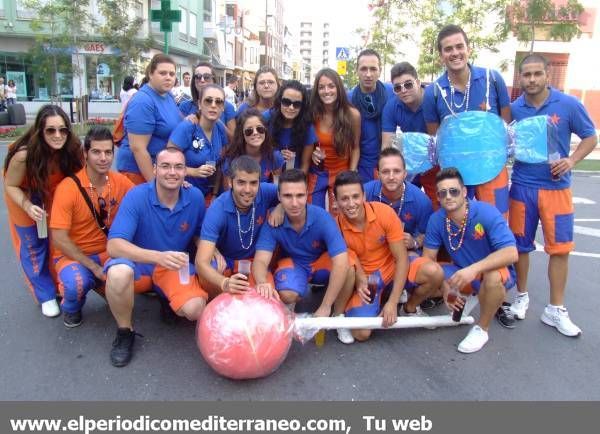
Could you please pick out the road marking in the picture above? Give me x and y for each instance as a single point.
(586, 231)
(540, 248)
(587, 220)
(583, 201)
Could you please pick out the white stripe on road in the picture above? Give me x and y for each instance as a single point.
(540, 248)
(583, 201)
(587, 220)
(586, 231)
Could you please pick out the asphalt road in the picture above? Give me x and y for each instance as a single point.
(42, 360)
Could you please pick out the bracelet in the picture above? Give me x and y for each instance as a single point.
(225, 284)
(415, 244)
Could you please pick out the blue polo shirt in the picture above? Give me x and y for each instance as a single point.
(569, 116)
(190, 107)
(198, 149)
(267, 167)
(487, 232)
(221, 224)
(242, 108)
(415, 211)
(370, 130)
(145, 222)
(435, 108)
(284, 139)
(147, 114)
(319, 234)
(396, 113)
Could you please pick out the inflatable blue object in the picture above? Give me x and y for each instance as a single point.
(533, 139)
(474, 142)
(417, 149)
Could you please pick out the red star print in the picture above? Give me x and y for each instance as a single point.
(554, 119)
(316, 244)
(183, 227)
(260, 220)
(483, 106)
(407, 216)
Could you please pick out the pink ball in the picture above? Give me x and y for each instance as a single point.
(244, 336)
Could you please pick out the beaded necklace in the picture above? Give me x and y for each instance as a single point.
(92, 188)
(460, 232)
(380, 195)
(250, 229)
(452, 103)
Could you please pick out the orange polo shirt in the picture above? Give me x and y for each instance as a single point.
(370, 244)
(71, 212)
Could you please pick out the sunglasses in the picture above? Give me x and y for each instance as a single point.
(442, 194)
(102, 205)
(206, 76)
(209, 100)
(286, 102)
(250, 130)
(370, 105)
(407, 85)
(63, 131)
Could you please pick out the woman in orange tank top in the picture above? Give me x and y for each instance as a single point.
(33, 167)
(337, 125)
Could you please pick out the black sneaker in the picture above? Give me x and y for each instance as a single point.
(71, 320)
(431, 303)
(122, 349)
(505, 317)
(166, 313)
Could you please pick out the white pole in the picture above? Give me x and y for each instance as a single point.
(375, 322)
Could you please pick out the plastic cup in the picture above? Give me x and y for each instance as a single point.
(289, 164)
(320, 338)
(244, 267)
(184, 271)
(212, 163)
(372, 283)
(42, 226)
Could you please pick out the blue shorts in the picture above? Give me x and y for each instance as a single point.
(507, 274)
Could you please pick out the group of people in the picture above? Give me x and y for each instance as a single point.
(306, 187)
(8, 94)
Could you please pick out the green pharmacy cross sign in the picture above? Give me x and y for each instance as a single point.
(166, 17)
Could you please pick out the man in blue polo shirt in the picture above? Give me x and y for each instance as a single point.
(313, 250)
(481, 247)
(369, 97)
(147, 242)
(543, 191)
(232, 225)
(465, 87)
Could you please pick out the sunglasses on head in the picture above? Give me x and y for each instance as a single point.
(206, 76)
(407, 85)
(209, 100)
(442, 194)
(250, 130)
(286, 102)
(63, 131)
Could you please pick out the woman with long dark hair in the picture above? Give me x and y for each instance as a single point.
(291, 126)
(150, 118)
(33, 167)
(337, 124)
(252, 138)
(127, 91)
(202, 142)
(266, 84)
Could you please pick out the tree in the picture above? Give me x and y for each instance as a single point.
(530, 18)
(59, 26)
(120, 29)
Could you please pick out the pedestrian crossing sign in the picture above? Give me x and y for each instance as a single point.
(342, 53)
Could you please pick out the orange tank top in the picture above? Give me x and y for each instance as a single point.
(333, 162)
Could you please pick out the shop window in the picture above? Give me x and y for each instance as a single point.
(183, 31)
(193, 29)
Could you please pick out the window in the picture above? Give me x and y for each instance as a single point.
(24, 12)
(1, 8)
(183, 32)
(208, 8)
(193, 28)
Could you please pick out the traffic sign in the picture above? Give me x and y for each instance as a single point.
(342, 53)
(341, 67)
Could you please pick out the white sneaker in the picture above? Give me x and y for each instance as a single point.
(559, 317)
(344, 335)
(419, 313)
(519, 306)
(474, 341)
(50, 308)
(403, 297)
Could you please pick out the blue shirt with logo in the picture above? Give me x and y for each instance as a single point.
(319, 234)
(221, 223)
(284, 139)
(415, 211)
(267, 167)
(568, 115)
(147, 223)
(396, 113)
(147, 114)
(198, 149)
(487, 232)
(482, 92)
